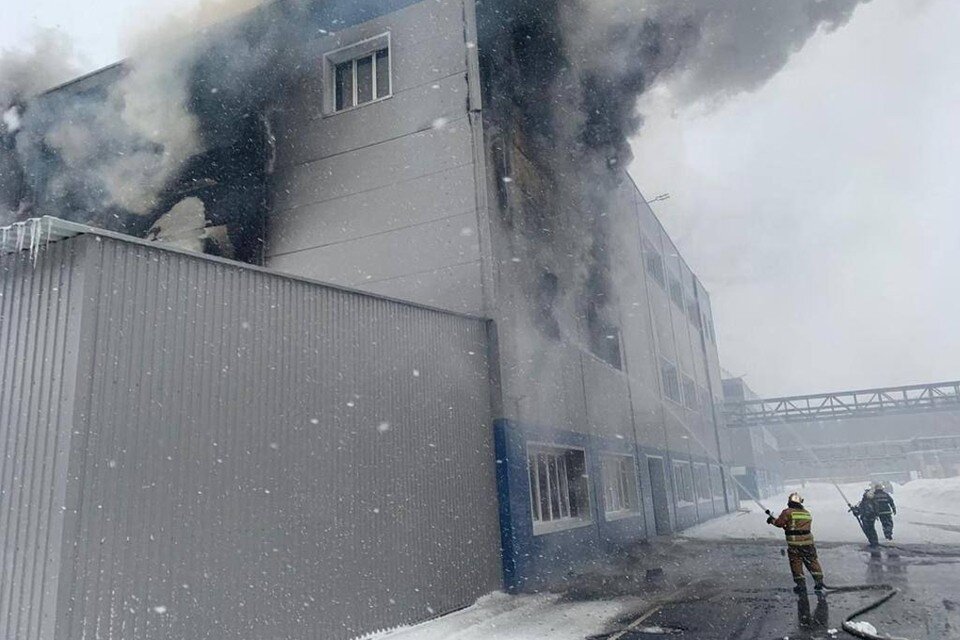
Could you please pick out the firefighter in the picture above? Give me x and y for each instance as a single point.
(886, 509)
(796, 522)
(866, 512)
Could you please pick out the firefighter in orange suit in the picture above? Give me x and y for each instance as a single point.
(796, 523)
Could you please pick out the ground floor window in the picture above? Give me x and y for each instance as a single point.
(619, 475)
(715, 482)
(559, 487)
(683, 479)
(703, 483)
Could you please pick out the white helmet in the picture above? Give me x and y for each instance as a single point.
(795, 497)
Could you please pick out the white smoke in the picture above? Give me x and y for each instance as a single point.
(48, 60)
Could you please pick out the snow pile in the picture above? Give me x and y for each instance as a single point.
(499, 616)
(940, 495)
(861, 626)
(927, 512)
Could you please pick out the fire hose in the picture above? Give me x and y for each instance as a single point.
(848, 623)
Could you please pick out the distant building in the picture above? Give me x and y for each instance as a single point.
(401, 166)
(757, 465)
(891, 433)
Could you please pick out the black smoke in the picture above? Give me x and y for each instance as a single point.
(562, 80)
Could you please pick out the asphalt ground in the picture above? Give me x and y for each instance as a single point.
(742, 590)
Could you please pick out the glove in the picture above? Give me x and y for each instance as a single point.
(855, 510)
(770, 520)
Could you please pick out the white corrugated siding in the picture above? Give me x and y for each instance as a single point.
(39, 321)
(232, 477)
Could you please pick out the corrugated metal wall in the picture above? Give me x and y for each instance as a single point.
(38, 339)
(261, 457)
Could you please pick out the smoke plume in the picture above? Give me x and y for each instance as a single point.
(566, 77)
(128, 143)
(125, 145)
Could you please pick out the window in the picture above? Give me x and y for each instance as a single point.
(716, 482)
(705, 405)
(559, 488)
(603, 335)
(676, 292)
(703, 483)
(619, 475)
(693, 313)
(671, 384)
(689, 392)
(683, 479)
(358, 74)
(548, 288)
(654, 261)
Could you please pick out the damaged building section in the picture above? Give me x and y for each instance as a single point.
(215, 203)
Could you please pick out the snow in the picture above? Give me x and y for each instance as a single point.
(862, 627)
(928, 511)
(499, 616)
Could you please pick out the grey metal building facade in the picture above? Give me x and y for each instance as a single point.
(199, 449)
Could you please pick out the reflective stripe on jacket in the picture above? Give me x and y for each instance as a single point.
(796, 524)
(883, 502)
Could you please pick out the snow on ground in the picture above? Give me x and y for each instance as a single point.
(499, 616)
(928, 511)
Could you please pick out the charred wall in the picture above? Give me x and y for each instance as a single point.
(229, 177)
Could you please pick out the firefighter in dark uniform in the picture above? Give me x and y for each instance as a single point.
(796, 522)
(866, 512)
(886, 509)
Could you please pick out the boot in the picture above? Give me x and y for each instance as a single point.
(818, 586)
(801, 587)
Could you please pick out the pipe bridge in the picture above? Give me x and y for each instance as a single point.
(841, 405)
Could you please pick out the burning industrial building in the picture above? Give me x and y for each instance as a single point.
(469, 157)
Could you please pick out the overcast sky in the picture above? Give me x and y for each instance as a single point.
(822, 211)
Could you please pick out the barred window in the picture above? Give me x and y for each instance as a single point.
(619, 475)
(559, 488)
(716, 482)
(683, 479)
(703, 483)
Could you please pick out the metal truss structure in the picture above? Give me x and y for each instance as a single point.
(918, 398)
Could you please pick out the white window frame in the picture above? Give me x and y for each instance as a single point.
(541, 527)
(683, 483)
(716, 481)
(676, 376)
(701, 480)
(354, 52)
(658, 273)
(626, 486)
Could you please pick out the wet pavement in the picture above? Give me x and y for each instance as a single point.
(742, 590)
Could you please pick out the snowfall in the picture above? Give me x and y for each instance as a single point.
(928, 512)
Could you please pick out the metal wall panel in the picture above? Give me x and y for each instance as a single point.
(253, 456)
(39, 324)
